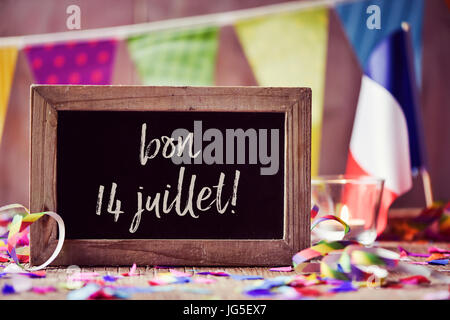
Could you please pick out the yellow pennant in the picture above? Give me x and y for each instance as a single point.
(8, 57)
(290, 50)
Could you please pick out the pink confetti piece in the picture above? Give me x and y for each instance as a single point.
(132, 271)
(415, 280)
(281, 269)
(205, 280)
(36, 274)
(436, 256)
(43, 290)
(412, 254)
(177, 273)
(83, 276)
(438, 250)
(216, 274)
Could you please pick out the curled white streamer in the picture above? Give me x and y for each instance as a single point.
(62, 235)
(16, 208)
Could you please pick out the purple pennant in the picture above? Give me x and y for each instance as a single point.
(88, 62)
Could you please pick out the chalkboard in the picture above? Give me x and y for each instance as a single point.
(91, 157)
(171, 175)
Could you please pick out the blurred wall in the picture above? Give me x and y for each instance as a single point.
(21, 17)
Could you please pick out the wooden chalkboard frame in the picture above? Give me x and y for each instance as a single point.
(47, 100)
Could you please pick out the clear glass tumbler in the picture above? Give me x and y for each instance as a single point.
(354, 199)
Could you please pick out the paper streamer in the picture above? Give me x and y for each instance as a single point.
(21, 219)
(358, 263)
(314, 211)
(319, 250)
(330, 217)
(348, 260)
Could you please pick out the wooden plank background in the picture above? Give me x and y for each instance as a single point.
(20, 17)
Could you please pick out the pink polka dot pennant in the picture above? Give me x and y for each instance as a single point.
(88, 62)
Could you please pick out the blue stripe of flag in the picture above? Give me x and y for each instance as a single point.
(391, 65)
(353, 16)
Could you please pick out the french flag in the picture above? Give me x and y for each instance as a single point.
(386, 139)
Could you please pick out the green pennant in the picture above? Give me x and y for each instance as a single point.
(176, 57)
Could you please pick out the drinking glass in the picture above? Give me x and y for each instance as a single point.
(354, 199)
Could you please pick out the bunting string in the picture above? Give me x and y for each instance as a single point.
(127, 31)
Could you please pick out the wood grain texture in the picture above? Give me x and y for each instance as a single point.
(46, 101)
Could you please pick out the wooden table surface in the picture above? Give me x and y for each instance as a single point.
(226, 288)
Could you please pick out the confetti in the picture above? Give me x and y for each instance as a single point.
(421, 255)
(414, 280)
(436, 256)
(177, 273)
(438, 250)
(167, 278)
(43, 290)
(216, 274)
(282, 269)
(441, 262)
(108, 293)
(344, 265)
(319, 250)
(347, 286)
(393, 285)
(308, 292)
(8, 289)
(132, 271)
(245, 277)
(111, 278)
(83, 293)
(71, 285)
(433, 223)
(15, 242)
(83, 276)
(259, 293)
(204, 280)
